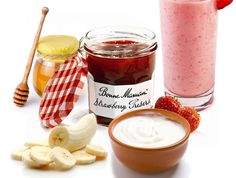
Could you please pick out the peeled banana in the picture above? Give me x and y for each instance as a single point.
(76, 136)
(66, 147)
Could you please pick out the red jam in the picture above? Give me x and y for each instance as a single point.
(127, 68)
(121, 63)
(121, 70)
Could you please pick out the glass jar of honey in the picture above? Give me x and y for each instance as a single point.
(51, 52)
(121, 63)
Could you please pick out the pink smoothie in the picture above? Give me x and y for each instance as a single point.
(189, 30)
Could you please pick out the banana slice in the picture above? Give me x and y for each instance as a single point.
(63, 158)
(76, 136)
(41, 154)
(83, 157)
(17, 154)
(26, 158)
(37, 143)
(96, 150)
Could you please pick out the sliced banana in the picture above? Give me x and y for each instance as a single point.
(63, 158)
(63, 140)
(17, 154)
(37, 143)
(28, 161)
(76, 136)
(41, 154)
(96, 150)
(83, 157)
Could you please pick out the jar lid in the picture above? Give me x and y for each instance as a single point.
(58, 45)
(62, 92)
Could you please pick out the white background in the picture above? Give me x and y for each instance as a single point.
(211, 151)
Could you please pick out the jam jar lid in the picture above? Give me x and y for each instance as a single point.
(119, 42)
(57, 47)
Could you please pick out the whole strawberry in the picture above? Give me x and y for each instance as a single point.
(168, 103)
(221, 4)
(191, 115)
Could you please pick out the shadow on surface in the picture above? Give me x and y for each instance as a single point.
(181, 170)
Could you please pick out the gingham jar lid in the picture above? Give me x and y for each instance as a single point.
(62, 92)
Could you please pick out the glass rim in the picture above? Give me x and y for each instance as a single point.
(191, 1)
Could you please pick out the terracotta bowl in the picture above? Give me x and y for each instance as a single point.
(150, 160)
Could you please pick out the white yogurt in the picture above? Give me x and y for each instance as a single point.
(148, 131)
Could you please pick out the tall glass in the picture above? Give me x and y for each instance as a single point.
(189, 31)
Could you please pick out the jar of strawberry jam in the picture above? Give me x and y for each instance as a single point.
(121, 64)
(52, 50)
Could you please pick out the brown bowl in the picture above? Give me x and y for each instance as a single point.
(150, 160)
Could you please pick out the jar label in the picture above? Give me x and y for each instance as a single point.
(112, 100)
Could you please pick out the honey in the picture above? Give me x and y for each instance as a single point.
(52, 51)
(43, 71)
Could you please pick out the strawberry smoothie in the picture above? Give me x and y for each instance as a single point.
(189, 31)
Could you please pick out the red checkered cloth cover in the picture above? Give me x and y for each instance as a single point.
(62, 92)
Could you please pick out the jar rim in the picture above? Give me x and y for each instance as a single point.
(55, 58)
(144, 38)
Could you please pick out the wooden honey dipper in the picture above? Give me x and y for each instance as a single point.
(22, 91)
